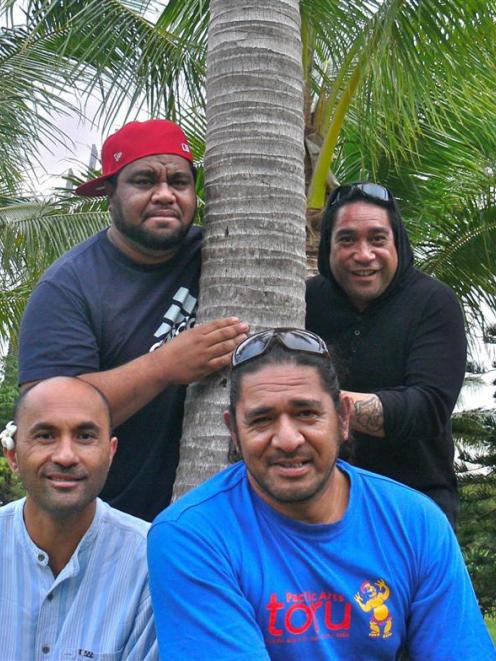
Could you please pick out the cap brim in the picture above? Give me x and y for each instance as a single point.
(93, 188)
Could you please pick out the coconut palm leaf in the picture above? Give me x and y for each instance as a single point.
(415, 82)
(163, 70)
(33, 236)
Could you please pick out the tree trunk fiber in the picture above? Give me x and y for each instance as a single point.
(254, 247)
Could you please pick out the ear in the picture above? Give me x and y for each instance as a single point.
(231, 425)
(346, 404)
(109, 190)
(227, 420)
(113, 448)
(11, 457)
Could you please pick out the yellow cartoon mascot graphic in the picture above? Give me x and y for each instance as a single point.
(371, 598)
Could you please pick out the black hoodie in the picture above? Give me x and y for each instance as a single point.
(409, 348)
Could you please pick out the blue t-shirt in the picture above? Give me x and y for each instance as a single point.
(231, 578)
(95, 309)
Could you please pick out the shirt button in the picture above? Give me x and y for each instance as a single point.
(41, 557)
(357, 332)
(50, 596)
(45, 649)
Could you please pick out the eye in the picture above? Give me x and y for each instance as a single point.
(180, 182)
(86, 436)
(44, 436)
(345, 240)
(260, 422)
(307, 414)
(379, 239)
(142, 179)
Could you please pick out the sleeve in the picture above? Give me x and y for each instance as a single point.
(142, 643)
(200, 610)
(316, 302)
(445, 621)
(56, 337)
(434, 371)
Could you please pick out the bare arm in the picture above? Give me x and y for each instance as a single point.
(190, 356)
(367, 415)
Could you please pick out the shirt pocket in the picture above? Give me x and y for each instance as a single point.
(82, 654)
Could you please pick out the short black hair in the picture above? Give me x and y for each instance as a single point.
(277, 354)
(25, 393)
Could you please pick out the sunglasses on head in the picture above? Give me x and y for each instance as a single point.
(293, 339)
(373, 191)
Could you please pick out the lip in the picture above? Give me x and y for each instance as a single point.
(291, 468)
(64, 481)
(364, 273)
(162, 214)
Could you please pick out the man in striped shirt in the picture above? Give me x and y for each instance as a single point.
(73, 575)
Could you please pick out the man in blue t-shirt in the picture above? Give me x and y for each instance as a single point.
(293, 553)
(113, 310)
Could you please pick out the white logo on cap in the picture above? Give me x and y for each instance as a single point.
(117, 156)
(185, 147)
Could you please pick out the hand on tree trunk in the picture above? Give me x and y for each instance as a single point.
(199, 351)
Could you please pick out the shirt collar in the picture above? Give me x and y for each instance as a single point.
(40, 557)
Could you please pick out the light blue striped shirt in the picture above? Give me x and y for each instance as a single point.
(98, 607)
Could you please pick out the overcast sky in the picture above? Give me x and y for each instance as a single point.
(56, 158)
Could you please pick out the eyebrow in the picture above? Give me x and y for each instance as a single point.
(260, 410)
(295, 403)
(352, 230)
(307, 404)
(48, 426)
(151, 170)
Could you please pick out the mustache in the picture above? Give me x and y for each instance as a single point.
(279, 455)
(165, 210)
(61, 473)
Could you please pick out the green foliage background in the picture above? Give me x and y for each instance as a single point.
(10, 486)
(419, 76)
(475, 436)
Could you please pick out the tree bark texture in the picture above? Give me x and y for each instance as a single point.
(254, 248)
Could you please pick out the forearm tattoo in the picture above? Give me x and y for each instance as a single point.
(369, 416)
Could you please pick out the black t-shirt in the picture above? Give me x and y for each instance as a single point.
(95, 309)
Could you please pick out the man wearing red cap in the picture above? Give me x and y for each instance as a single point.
(113, 310)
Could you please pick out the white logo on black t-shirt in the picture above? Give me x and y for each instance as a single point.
(180, 315)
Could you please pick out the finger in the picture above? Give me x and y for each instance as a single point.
(218, 363)
(208, 326)
(225, 347)
(227, 333)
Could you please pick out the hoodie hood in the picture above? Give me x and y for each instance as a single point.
(401, 240)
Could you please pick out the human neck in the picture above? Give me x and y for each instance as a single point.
(359, 305)
(136, 253)
(328, 506)
(57, 536)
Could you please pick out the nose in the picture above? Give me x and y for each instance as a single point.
(364, 252)
(287, 436)
(163, 193)
(64, 453)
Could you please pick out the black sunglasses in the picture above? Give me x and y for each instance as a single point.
(293, 339)
(374, 191)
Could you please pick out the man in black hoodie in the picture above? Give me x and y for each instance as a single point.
(399, 337)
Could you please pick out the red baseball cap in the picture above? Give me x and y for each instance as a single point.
(133, 141)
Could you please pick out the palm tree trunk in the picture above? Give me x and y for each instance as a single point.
(254, 250)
